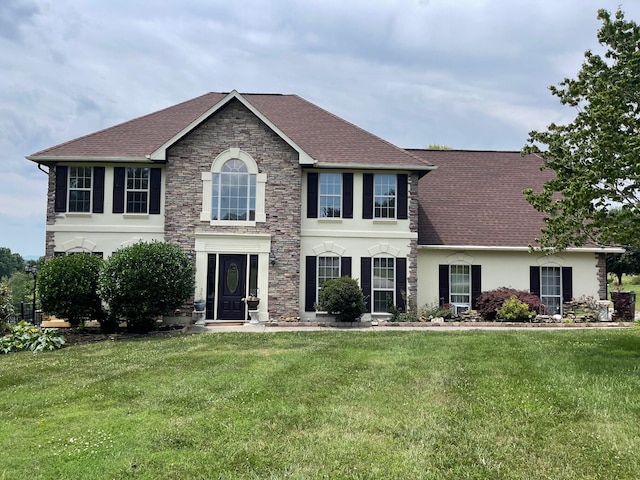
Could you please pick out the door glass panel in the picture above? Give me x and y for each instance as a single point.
(232, 278)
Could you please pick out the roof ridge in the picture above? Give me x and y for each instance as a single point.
(462, 150)
(106, 129)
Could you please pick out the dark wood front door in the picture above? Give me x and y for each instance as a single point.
(232, 287)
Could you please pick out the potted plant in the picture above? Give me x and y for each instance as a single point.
(200, 304)
(252, 302)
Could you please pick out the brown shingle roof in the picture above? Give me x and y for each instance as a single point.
(323, 136)
(474, 198)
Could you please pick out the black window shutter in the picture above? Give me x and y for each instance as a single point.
(534, 280)
(60, 202)
(312, 195)
(98, 189)
(567, 284)
(345, 266)
(118, 189)
(401, 282)
(347, 195)
(365, 280)
(443, 284)
(155, 174)
(367, 197)
(476, 283)
(310, 284)
(403, 196)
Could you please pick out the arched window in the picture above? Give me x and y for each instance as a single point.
(233, 192)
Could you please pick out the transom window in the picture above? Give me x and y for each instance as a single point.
(233, 192)
(383, 284)
(551, 289)
(137, 191)
(330, 198)
(384, 196)
(328, 269)
(460, 287)
(80, 189)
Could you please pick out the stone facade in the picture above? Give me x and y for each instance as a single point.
(51, 214)
(234, 126)
(412, 261)
(602, 275)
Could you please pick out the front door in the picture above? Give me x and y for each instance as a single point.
(232, 287)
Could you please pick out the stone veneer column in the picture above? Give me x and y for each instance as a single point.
(412, 261)
(235, 126)
(602, 275)
(51, 214)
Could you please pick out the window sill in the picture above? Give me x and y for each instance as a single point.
(135, 215)
(233, 223)
(78, 214)
(330, 220)
(385, 221)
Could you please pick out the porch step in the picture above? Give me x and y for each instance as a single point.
(224, 323)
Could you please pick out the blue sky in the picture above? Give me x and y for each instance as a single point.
(472, 74)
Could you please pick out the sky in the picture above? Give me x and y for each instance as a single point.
(470, 74)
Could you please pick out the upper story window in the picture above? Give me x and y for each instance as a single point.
(233, 192)
(80, 189)
(384, 196)
(330, 199)
(137, 189)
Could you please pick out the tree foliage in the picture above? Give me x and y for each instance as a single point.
(6, 307)
(624, 263)
(595, 157)
(10, 262)
(146, 280)
(68, 287)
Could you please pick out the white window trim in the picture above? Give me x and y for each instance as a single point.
(84, 189)
(320, 195)
(127, 190)
(207, 188)
(395, 196)
(374, 290)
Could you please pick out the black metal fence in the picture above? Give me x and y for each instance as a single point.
(24, 311)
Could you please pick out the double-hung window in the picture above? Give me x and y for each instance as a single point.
(137, 190)
(383, 283)
(233, 192)
(328, 269)
(80, 189)
(460, 287)
(330, 198)
(384, 196)
(551, 289)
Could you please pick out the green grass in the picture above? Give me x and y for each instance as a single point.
(628, 285)
(352, 405)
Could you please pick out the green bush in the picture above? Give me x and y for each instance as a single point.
(25, 336)
(68, 287)
(342, 298)
(488, 303)
(6, 308)
(514, 310)
(144, 281)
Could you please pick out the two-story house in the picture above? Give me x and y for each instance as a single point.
(272, 196)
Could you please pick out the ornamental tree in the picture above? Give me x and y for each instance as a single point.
(144, 281)
(67, 285)
(595, 195)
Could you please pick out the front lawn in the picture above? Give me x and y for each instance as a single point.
(356, 405)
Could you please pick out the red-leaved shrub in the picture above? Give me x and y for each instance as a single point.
(489, 302)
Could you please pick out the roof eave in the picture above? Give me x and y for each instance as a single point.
(49, 159)
(160, 154)
(506, 248)
(369, 166)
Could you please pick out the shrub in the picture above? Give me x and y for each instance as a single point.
(488, 303)
(6, 308)
(144, 281)
(343, 298)
(25, 336)
(434, 310)
(68, 287)
(514, 310)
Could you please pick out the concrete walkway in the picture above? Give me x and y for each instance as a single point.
(427, 327)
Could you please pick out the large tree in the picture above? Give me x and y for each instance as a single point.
(10, 262)
(596, 158)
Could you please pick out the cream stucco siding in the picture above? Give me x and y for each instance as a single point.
(505, 269)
